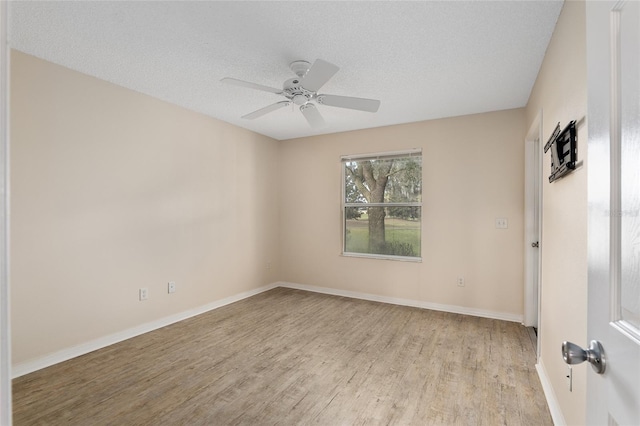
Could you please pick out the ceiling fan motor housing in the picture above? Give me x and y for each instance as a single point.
(295, 92)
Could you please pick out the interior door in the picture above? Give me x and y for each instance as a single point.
(535, 242)
(613, 64)
(533, 200)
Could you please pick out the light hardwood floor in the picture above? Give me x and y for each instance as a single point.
(290, 357)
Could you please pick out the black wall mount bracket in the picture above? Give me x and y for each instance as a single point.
(563, 150)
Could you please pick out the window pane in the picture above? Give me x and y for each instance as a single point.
(393, 231)
(396, 180)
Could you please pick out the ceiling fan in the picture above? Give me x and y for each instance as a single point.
(303, 89)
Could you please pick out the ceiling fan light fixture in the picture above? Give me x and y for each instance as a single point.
(300, 99)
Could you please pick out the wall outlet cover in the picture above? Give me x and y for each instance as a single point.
(143, 293)
(502, 223)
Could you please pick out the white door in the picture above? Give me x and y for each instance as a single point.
(613, 96)
(533, 200)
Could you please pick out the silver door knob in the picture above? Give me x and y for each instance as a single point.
(574, 354)
(534, 244)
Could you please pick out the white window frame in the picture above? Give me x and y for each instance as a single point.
(416, 152)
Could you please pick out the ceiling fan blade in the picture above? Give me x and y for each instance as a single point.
(319, 73)
(266, 110)
(361, 104)
(312, 115)
(241, 83)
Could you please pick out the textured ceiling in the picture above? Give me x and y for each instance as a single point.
(423, 60)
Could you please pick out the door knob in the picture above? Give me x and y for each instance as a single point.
(536, 244)
(574, 354)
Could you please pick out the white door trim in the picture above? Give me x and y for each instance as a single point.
(5, 328)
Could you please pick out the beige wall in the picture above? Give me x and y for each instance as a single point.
(561, 92)
(472, 173)
(112, 191)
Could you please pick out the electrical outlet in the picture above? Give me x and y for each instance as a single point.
(171, 287)
(144, 293)
(268, 265)
(570, 378)
(502, 223)
(461, 281)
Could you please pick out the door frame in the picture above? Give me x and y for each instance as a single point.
(532, 227)
(5, 328)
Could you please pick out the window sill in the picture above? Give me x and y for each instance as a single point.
(384, 257)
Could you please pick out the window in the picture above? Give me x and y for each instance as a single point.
(382, 205)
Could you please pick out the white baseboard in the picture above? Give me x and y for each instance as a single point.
(550, 395)
(406, 302)
(66, 354)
